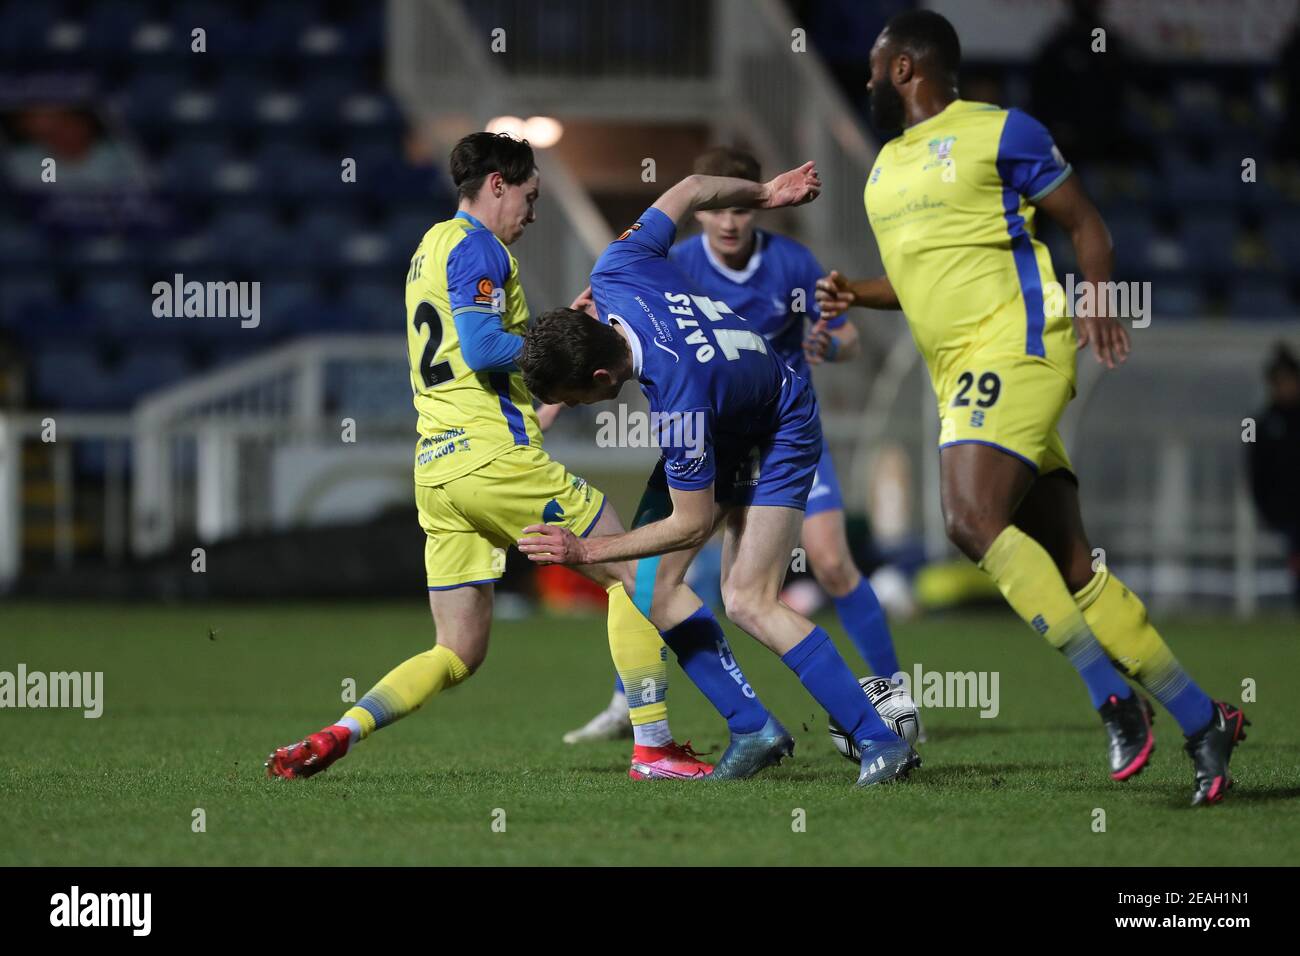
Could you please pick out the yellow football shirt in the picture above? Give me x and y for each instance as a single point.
(950, 204)
(462, 276)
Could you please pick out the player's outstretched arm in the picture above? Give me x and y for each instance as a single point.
(836, 294)
(792, 188)
(1070, 206)
(689, 526)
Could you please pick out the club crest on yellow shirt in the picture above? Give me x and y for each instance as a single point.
(940, 152)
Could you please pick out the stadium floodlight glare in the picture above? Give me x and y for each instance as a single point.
(541, 131)
(506, 124)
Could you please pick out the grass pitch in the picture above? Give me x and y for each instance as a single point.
(196, 696)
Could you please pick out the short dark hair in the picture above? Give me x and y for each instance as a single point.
(728, 161)
(563, 348)
(478, 155)
(927, 36)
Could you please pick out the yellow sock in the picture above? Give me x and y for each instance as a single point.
(1030, 581)
(1028, 578)
(1118, 618)
(640, 658)
(406, 687)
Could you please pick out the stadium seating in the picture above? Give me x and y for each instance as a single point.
(242, 154)
(1212, 244)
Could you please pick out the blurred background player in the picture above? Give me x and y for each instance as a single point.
(706, 372)
(770, 280)
(951, 202)
(480, 471)
(1274, 457)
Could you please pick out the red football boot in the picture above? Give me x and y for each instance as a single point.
(673, 762)
(309, 756)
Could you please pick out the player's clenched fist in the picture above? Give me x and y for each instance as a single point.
(833, 295)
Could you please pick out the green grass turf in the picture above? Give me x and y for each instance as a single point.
(189, 719)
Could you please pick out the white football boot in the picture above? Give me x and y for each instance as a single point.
(612, 723)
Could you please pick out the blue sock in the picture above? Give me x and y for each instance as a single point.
(1182, 697)
(618, 684)
(1095, 668)
(864, 621)
(702, 650)
(823, 672)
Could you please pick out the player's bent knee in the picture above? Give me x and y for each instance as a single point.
(836, 575)
(746, 606)
(608, 575)
(470, 653)
(970, 531)
(455, 667)
(472, 663)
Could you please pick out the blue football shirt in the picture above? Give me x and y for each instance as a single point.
(774, 291)
(692, 355)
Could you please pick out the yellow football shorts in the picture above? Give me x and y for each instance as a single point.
(1011, 402)
(471, 521)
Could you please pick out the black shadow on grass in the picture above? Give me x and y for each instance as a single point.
(944, 734)
(992, 774)
(989, 729)
(1262, 794)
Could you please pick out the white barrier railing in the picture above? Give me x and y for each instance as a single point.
(1163, 489)
(267, 400)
